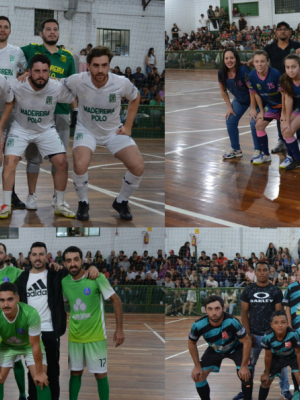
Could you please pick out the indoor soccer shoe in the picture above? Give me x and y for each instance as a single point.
(296, 395)
(64, 211)
(279, 146)
(239, 396)
(255, 155)
(287, 394)
(83, 211)
(262, 158)
(287, 161)
(54, 201)
(31, 202)
(5, 211)
(294, 164)
(123, 209)
(16, 202)
(232, 154)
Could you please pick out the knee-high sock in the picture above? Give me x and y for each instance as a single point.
(130, 184)
(247, 387)
(289, 153)
(81, 186)
(1, 391)
(103, 388)
(292, 145)
(44, 394)
(19, 373)
(263, 141)
(296, 385)
(263, 393)
(74, 386)
(203, 390)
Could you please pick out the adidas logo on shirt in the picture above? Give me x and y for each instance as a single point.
(37, 289)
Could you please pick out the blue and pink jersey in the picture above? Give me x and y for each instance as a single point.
(268, 88)
(296, 98)
(240, 90)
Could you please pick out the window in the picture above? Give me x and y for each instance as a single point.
(39, 16)
(9, 233)
(117, 40)
(77, 232)
(287, 6)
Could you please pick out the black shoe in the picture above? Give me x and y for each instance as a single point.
(295, 164)
(83, 211)
(123, 209)
(16, 202)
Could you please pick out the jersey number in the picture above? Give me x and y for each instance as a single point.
(102, 362)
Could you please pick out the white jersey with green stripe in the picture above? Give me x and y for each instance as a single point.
(26, 323)
(10, 274)
(87, 315)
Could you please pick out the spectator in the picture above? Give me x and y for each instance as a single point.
(203, 22)
(193, 277)
(271, 253)
(223, 14)
(150, 60)
(121, 275)
(153, 273)
(130, 274)
(235, 12)
(145, 95)
(128, 73)
(250, 274)
(110, 257)
(58, 258)
(211, 17)
(139, 78)
(153, 91)
(156, 101)
(162, 94)
(191, 300)
(166, 39)
(117, 71)
(168, 282)
(242, 23)
(230, 301)
(98, 254)
(221, 258)
(211, 282)
(89, 47)
(282, 275)
(149, 280)
(82, 61)
(273, 276)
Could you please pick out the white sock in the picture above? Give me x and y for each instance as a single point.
(60, 196)
(130, 184)
(7, 197)
(81, 186)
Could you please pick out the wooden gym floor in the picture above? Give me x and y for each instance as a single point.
(179, 364)
(201, 188)
(105, 179)
(135, 369)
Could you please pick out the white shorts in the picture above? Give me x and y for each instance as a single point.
(8, 356)
(7, 124)
(91, 355)
(112, 142)
(47, 142)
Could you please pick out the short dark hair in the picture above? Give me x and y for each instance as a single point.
(38, 244)
(9, 287)
(261, 53)
(39, 58)
(278, 313)
(72, 249)
(263, 262)
(90, 44)
(212, 299)
(4, 247)
(46, 21)
(2, 17)
(99, 51)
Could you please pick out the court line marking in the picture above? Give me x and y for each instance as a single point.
(114, 194)
(192, 108)
(134, 330)
(151, 155)
(155, 333)
(183, 352)
(192, 94)
(204, 217)
(171, 322)
(109, 165)
(206, 130)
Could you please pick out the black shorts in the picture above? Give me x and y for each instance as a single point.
(279, 363)
(268, 119)
(213, 360)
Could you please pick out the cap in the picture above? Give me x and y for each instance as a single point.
(171, 251)
(294, 265)
(283, 23)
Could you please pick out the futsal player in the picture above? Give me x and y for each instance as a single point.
(35, 102)
(11, 58)
(290, 120)
(227, 338)
(87, 331)
(291, 301)
(20, 328)
(234, 77)
(99, 95)
(282, 349)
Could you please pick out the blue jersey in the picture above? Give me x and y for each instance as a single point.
(240, 90)
(268, 89)
(224, 339)
(284, 348)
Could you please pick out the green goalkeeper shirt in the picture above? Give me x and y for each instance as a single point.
(10, 274)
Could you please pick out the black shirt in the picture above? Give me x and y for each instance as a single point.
(175, 33)
(261, 302)
(277, 55)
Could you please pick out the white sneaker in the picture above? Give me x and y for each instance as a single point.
(262, 158)
(255, 155)
(287, 161)
(54, 201)
(5, 211)
(31, 202)
(279, 146)
(232, 154)
(64, 211)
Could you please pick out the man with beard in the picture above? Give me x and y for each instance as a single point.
(87, 332)
(11, 59)
(35, 101)
(226, 338)
(62, 66)
(99, 95)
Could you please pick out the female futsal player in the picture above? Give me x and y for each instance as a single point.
(234, 77)
(290, 121)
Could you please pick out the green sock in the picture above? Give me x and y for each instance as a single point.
(44, 394)
(19, 372)
(1, 391)
(74, 386)
(103, 388)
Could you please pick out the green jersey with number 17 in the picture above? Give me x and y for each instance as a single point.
(87, 315)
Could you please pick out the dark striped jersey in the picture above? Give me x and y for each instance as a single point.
(239, 90)
(224, 339)
(282, 349)
(292, 299)
(268, 88)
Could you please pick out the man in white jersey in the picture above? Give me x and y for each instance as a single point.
(99, 95)
(11, 58)
(35, 102)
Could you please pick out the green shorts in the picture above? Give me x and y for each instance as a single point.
(91, 355)
(8, 355)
